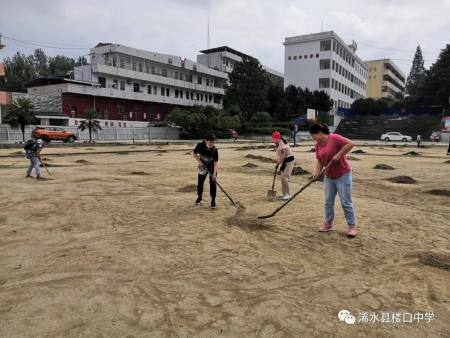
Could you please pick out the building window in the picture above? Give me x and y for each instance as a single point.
(162, 91)
(325, 63)
(140, 67)
(176, 75)
(325, 45)
(152, 68)
(170, 61)
(192, 95)
(102, 82)
(176, 93)
(299, 57)
(197, 96)
(120, 109)
(136, 87)
(311, 56)
(114, 59)
(154, 90)
(305, 56)
(149, 89)
(181, 94)
(115, 84)
(134, 66)
(289, 58)
(167, 92)
(324, 83)
(164, 72)
(122, 63)
(201, 97)
(295, 57)
(317, 55)
(199, 79)
(147, 68)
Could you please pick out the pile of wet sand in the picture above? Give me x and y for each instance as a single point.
(439, 192)
(83, 162)
(139, 173)
(353, 158)
(383, 167)
(359, 151)
(260, 158)
(188, 188)
(411, 153)
(437, 260)
(250, 165)
(300, 171)
(402, 180)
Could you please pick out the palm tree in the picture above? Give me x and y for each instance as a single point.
(90, 122)
(20, 114)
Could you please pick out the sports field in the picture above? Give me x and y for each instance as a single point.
(112, 246)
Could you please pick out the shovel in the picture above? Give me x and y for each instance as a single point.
(311, 181)
(235, 204)
(46, 169)
(272, 194)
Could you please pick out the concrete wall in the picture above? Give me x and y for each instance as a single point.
(7, 134)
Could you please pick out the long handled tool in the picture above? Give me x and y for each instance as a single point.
(311, 181)
(235, 204)
(46, 169)
(272, 194)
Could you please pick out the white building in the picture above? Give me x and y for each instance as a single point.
(224, 58)
(323, 61)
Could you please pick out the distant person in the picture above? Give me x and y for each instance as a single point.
(448, 151)
(33, 150)
(294, 131)
(285, 158)
(419, 139)
(207, 157)
(331, 149)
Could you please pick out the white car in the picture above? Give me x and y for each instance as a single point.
(394, 136)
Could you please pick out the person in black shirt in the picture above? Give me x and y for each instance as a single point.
(207, 157)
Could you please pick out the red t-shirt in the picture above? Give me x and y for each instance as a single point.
(325, 153)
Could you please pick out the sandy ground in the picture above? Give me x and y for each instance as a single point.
(98, 251)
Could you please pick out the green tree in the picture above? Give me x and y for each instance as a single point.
(229, 122)
(60, 65)
(40, 63)
(20, 114)
(196, 122)
(277, 102)
(324, 117)
(436, 88)
(19, 69)
(248, 88)
(416, 75)
(90, 122)
(262, 119)
(321, 101)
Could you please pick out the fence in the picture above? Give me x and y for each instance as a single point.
(106, 134)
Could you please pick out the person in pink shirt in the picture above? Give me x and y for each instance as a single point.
(331, 152)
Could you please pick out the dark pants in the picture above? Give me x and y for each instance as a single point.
(448, 151)
(201, 183)
(418, 144)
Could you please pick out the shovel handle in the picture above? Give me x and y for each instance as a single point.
(275, 175)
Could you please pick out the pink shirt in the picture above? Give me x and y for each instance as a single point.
(325, 153)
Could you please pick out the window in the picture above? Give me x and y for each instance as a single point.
(120, 109)
(115, 84)
(197, 96)
(134, 65)
(114, 61)
(149, 89)
(167, 92)
(162, 91)
(207, 81)
(122, 63)
(152, 68)
(102, 82)
(170, 61)
(136, 87)
(324, 83)
(311, 56)
(154, 90)
(289, 58)
(199, 79)
(176, 75)
(306, 56)
(201, 97)
(325, 45)
(140, 67)
(181, 94)
(164, 72)
(192, 95)
(295, 57)
(147, 68)
(299, 57)
(317, 55)
(176, 93)
(325, 63)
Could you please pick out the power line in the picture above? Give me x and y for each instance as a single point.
(37, 44)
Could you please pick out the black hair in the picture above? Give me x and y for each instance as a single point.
(319, 127)
(210, 137)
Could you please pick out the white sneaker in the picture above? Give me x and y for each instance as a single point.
(285, 197)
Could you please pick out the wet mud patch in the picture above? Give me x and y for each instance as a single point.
(250, 165)
(412, 153)
(260, 158)
(139, 173)
(359, 151)
(439, 192)
(353, 158)
(434, 259)
(188, 188)
(300, 171)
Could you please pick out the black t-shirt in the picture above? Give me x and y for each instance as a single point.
(208, 155)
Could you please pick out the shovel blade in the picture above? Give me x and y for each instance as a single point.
(271, 195)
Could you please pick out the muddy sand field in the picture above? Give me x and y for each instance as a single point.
(112, 246)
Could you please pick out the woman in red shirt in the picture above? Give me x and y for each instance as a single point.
(331, 150)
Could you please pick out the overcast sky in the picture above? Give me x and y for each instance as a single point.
(382, 28)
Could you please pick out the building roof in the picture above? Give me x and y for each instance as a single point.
(45, 81)
(224, 49)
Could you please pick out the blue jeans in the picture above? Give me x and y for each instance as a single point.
(34, 163)
(343, 186)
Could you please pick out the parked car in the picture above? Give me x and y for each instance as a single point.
(435, 136)
(55, 133)
(395, 136)
(233, 133)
